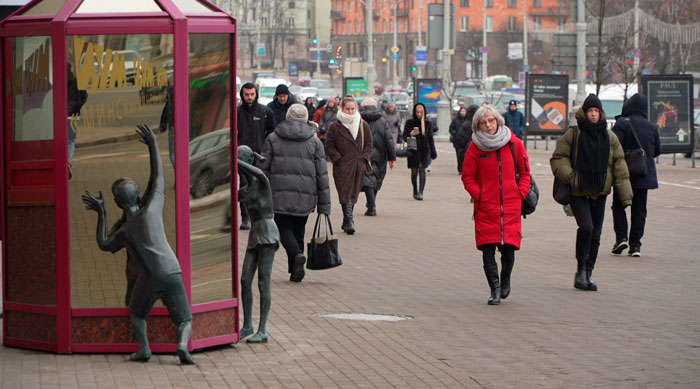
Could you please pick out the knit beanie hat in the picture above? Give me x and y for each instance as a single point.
(513, 102)
(592, 102)
(369, 101)
(281, 90)
(298, 112)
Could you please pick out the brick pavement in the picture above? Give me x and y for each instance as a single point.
(641, 329)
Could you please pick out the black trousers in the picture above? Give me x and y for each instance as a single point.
(488, 254)
(589, 216)
(292, 229)
(638, 217)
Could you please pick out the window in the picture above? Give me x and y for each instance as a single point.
(536, 3)
(513, 3)
(489, 3)
(464, 3)
(512, 23)
(489, 23)
(292, 5)
(464, 23)
(562, 24)
(290, 22)
(263, 21)
(537, 22)
(562, 5)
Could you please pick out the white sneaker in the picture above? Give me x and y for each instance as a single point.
(427, 169)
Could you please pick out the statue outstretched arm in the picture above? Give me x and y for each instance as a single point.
(156, 181)
(107, 242)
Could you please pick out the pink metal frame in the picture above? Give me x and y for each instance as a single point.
(171, 21)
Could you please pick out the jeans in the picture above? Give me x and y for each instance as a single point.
(292, 229)
(589, 214)
(72, 135)
(638, 217)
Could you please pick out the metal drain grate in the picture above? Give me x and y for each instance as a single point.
(364, 316)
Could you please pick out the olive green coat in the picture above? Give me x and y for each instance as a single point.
(617, 176)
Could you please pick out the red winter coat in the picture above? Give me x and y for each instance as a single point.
(489, 177)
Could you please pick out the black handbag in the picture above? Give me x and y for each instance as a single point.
(533, 195)
(636, 158)
(401, 150)
(322, 251)
(561, 191)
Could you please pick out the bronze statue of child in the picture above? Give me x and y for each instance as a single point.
(142, 233)
(263, 241)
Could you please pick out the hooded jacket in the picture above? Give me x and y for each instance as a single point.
(382, 146)
(515, 120)
(296, 165)
(617, 174)
(426, 143)
(279, 109)
(635, 109)
(255, 123)
(456, 123)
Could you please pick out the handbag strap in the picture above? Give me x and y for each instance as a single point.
(633, 132)
(317, 226)
(515, 162)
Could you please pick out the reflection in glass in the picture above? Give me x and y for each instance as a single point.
(125, 85)
(121, 6)
(209, 133)
(31, 85)
(191, 6)
(46, 7)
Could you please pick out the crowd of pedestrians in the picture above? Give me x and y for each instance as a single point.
(360, 144)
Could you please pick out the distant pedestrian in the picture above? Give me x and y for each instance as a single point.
(296, 165)
(463, 136)
(281, 102)
(310, 108)
(422, 130)
(515, 120)
(596, 164)
(633, 122)
(382, 152)
(393, 117)
(349, 148)
(489, 175)
(455, 126)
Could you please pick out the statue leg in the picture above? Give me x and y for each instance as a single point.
(139, 324)
(266, 256)
(250, 265)
(184, 331)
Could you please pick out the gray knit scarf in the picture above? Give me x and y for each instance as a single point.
(487, 142)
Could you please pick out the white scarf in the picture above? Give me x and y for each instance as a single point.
(351, 122)
(488, 142)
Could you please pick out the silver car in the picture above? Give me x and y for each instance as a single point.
(210, 162)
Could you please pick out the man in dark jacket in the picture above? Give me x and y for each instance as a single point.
(633, 121)
(463, 136)
(382, 151)
(515, 120)
(255, 123)
(281, 103)
(296, 163)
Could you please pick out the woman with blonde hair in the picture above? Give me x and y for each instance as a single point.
(489, 170)
(418, 160)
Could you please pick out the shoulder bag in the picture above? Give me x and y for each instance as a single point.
(368, 163)
(561, 191)
(533, 195)
(636, 158)
(322, 251)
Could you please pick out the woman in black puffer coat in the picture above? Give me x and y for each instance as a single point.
(422, 129)
(382, 151)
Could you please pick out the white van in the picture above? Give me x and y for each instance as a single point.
(267, 87)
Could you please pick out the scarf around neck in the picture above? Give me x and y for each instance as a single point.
(488, 142)
(592, 155)
(351, 122)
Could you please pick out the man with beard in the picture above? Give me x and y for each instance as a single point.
(281, 103)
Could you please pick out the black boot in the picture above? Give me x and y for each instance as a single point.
(506, 269)
(591, 285)
(492, 277)
(414, 182)
(421, 181)
(580, 278)
(245, 219)
(348, 223)
(371, 202)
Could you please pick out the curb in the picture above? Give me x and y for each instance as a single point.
(116, 139)
(211, 201)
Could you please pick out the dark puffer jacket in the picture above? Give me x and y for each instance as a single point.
(426, 143)
(279, 109)
(296, 164)
(636, 110)
(382, 146)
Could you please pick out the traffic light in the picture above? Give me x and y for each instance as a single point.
(331, 61)
(414, 68)
(383, 59)
(315, 40)
(338, 51)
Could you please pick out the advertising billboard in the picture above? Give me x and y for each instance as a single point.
(428, 92)
(670, 107)
(356, 87)
(547, 104)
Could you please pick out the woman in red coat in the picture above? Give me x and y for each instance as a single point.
(488, 174)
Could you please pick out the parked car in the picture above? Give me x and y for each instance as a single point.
(295, 90)
(460, 90)
(327, 93)
(210, 162)
(401, 99)
(409, 88)
(267, 87)
(498, 99)
(378, 88)
(308, 91)
(320, 83)
(304, 81)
